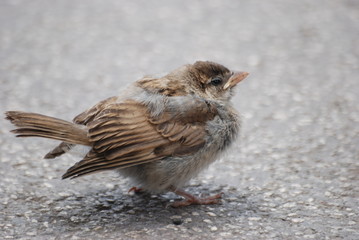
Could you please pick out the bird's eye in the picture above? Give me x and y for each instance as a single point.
(216, 81)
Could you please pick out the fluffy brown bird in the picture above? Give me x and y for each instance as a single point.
(160, 132)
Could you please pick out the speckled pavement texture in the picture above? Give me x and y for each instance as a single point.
(292, 174)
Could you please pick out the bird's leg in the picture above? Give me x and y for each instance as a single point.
(135, 190)
(192, 200)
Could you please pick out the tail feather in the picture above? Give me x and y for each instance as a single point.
(62, 148)
(37, 125)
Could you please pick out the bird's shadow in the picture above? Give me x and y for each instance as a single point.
(114, 209)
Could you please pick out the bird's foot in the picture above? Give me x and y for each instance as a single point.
(135, 190)
(192, 200)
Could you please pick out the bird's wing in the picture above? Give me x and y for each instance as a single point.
(90, 114)
(124, 134)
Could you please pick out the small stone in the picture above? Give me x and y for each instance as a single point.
(110, 200)
(225, 234)
(176, 220)
(212, 214)
(13, 196)
(188, 220)
(297, 220)
(196, 229)
(214, 228)
(44, 209)
(310, 236)
(97, 228)
(195, 213)
(207, 221)
(48, 185)
(289, 205)
(338, 214)
(62, 214)
(64, 194)
(232, 199)
(49, 202)
(172, 227)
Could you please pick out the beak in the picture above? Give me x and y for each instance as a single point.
(235, 78)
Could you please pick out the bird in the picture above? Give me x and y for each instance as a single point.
(159, 131)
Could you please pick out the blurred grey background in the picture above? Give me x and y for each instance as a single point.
(294, 172)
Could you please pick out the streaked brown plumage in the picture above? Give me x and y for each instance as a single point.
(160, 131)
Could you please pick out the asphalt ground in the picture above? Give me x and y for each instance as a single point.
(292, 174)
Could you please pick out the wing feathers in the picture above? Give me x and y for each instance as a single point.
(116, 142)
(119, 152)
(89, 164)
(124, 134)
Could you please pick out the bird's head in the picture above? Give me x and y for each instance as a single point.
(204, 79)
(213, 81)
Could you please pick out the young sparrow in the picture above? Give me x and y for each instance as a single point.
(160, 132)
